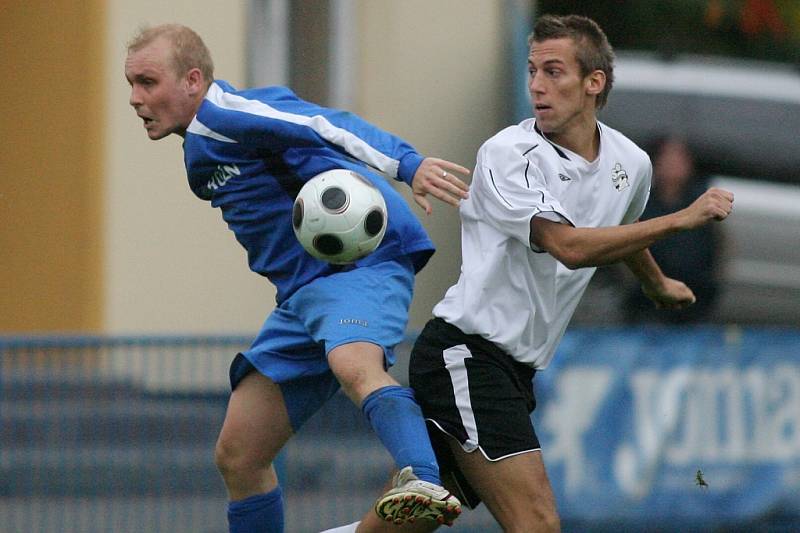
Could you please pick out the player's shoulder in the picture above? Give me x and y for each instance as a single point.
(225, 96)
(225, 109)
(510, 141)
(620, 143)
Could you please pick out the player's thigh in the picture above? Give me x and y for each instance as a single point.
(256, 423)
(516, 489)
(367, 304)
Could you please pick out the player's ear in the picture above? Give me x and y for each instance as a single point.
(595, 82)
(195, 81)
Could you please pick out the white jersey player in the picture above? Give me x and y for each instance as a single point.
(509, 291)
(551, 199)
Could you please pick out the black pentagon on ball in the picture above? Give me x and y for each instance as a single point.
(297, 213)
(334, 199)
(328, 244)
(373, 223)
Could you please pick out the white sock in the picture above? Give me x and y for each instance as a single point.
(349, 528)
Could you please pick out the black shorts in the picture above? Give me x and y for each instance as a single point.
(473, 391)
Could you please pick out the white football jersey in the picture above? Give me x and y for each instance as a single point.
(517, 297)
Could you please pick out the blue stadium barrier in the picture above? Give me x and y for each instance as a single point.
(102, 434)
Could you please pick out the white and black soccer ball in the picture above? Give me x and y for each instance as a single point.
(339, 216)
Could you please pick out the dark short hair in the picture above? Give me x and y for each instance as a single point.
(594, 52)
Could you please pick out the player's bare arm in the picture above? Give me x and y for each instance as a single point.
(665, 292)
(587, 247)
(439, 178)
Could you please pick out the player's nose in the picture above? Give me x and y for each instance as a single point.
(535, 83)
(135, 99)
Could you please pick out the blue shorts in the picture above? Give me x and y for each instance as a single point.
(368, 304)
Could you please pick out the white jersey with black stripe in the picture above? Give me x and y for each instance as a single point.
(517, 297)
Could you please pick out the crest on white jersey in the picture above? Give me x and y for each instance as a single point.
(619, 177)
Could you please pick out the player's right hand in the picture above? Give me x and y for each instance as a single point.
(442, 180)
(714, 204)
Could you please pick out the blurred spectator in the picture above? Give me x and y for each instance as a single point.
(690, 256)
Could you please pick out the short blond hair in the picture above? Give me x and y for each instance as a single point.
(188, 49)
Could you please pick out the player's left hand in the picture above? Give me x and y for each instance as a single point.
(670, 294)
(440, 179)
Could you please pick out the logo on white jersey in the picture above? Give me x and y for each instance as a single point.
(564, 177)
(619, 177)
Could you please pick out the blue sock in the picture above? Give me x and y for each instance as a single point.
(397, 420)
(262, 513)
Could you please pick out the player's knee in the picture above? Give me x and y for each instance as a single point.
(225, 456)
(545, 517)
(234, 458)
(530, 519)
(550, 521)
(359, 369)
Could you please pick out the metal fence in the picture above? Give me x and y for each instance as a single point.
(117, 435)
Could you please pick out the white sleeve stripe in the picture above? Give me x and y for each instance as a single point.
(198, 128)
(354, 145)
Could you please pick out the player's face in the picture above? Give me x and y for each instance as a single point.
(559, 93)
(162, 99)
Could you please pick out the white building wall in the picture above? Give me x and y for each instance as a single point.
(432, 72)
(171, 264)
(436, 73)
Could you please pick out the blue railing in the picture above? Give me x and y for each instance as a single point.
(102, 434)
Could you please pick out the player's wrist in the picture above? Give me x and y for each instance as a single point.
(409, 164)
(681, 221)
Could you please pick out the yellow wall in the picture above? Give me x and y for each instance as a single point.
(51, 129)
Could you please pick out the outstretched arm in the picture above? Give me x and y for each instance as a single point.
(665, 292)
(586, 247)
(440, 179)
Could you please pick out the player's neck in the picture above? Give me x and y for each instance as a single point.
(582, 138)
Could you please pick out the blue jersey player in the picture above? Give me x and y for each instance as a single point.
(248, 153)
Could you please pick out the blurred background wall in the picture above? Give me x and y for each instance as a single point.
(101, 233)
(170, 263)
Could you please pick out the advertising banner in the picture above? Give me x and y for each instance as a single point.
(698, 426)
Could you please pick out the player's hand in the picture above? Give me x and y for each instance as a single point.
(714, 204)
(670, 294)
(440, 179)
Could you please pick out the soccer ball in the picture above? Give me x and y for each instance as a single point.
(339, 216)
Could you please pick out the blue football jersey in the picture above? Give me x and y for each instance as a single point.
(249, 152)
